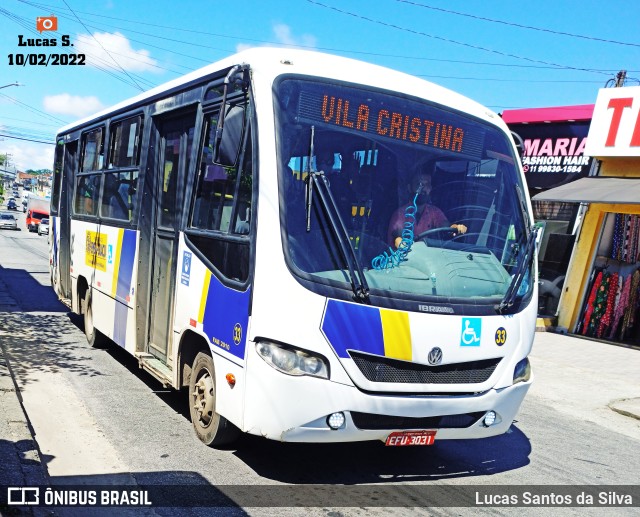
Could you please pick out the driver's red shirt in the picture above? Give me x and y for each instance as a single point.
(428, 218)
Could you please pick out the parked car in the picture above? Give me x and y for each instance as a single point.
(11, 204)
(43, 227)
(8, 221)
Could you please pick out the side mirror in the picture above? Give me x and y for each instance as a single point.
(229, 135)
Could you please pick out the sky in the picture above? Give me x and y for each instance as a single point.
(501, 53)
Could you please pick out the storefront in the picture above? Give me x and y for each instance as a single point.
(551, 143)
(601, 294)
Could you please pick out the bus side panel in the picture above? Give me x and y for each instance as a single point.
(107, 260)
(221, 316)
(82, 271)
(114, 287)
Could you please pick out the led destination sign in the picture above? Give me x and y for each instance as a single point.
(389, 117)
(392, 124)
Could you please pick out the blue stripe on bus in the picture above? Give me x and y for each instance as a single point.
(349, 326)
(123, 290)
(226, 316)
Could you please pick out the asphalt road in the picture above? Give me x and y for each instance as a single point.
(100, 420)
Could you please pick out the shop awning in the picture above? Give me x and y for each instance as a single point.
(595, 190)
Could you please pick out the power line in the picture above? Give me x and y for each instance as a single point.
(448, 40)
(112, 58)
(27, 139)
(36, 110)
(40, 123)
(244, 38)
(482, 18)
(506, 80)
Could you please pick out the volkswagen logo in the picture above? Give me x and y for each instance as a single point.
(435, 356)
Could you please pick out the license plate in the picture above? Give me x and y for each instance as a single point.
(411, 438)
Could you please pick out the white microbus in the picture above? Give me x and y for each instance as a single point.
(320, 249)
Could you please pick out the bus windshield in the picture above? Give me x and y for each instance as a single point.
(430, 198)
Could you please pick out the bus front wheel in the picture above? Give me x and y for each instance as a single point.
(211, 428)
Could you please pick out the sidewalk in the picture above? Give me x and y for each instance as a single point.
(20, 461)
(585, 377)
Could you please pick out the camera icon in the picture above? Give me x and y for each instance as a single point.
(46, 23)
(23, 496)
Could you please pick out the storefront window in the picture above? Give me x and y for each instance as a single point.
(610, 310)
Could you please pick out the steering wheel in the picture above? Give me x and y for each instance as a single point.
(446, 231)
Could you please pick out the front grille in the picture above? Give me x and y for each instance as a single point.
(371, 421)
(383, 369)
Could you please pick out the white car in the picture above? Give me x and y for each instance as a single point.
(43, 227)
(8, 221)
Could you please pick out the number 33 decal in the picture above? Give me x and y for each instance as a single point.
(501, 336)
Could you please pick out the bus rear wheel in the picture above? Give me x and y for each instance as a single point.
(93, 335)
(211, 428)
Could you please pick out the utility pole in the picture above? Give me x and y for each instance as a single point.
(619, 80)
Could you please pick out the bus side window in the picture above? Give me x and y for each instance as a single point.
(92, 151)
(222, 208)
(87, 194)
(242, 223)
(119, 196)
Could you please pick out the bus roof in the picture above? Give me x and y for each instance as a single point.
(270, 62)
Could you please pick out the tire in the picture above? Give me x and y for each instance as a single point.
(212, 429)
(94, 336)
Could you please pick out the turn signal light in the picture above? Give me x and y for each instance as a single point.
(231, 379)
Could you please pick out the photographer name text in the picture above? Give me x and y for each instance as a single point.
(42, 59)
(609, 498)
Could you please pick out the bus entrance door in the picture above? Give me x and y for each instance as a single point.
(172, 164)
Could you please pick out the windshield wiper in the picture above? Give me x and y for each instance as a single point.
(318, 181)
(357, 279)
(521, 271)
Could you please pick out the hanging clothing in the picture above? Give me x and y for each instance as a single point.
(621, 307)
(588, 311)
(605, 321)
(618, 232)
(629, 314)
(599, 306)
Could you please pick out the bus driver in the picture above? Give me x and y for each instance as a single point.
(427, 217)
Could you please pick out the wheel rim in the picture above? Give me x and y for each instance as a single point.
(203, 398)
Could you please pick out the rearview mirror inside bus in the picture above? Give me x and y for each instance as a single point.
(231, 138)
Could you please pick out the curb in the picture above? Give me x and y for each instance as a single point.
(627, 407)
(21, 457)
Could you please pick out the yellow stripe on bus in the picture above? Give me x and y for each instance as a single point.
(203, 296)
(396, 334)
(116, 263)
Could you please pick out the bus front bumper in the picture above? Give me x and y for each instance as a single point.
(296, 409)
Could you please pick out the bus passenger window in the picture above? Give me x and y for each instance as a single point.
(119, 196)
(125, 143)
(92, 151)
(243, 213)
(87, 194)
(215, 193)
(222, 207)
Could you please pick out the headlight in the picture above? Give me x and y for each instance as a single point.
(522, 371)
(292, 361)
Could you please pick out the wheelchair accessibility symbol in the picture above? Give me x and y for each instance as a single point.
(471, 332)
